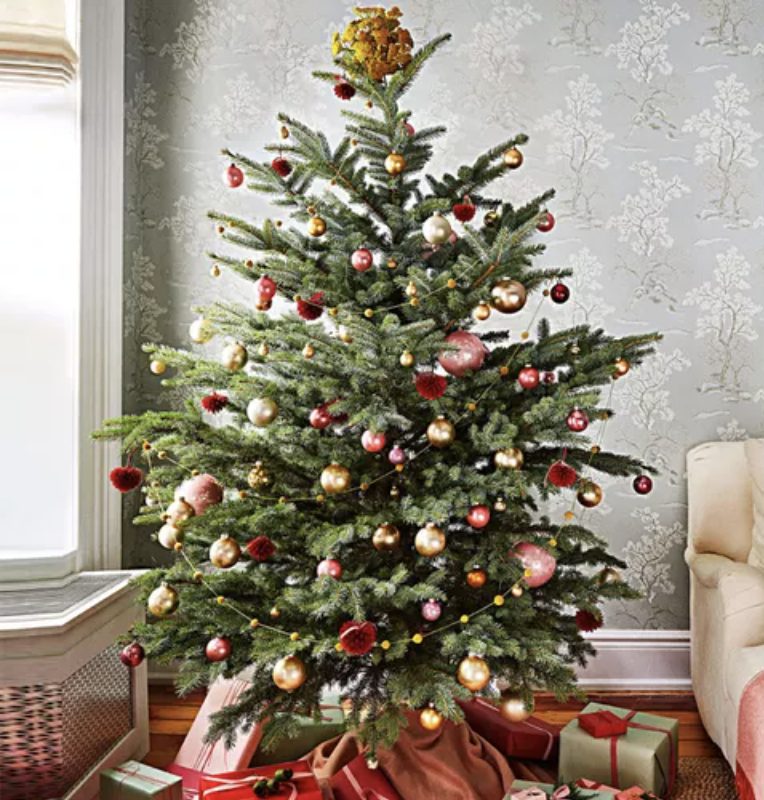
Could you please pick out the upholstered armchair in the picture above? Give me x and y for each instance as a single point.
(724, 553)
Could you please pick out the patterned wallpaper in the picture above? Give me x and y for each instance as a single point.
(646, 116)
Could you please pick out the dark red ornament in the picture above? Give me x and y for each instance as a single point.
(132, 655)
(320, 418)
(265, 287)
(561, 475)
(546, 225)
(312, 308)
(234, 177)
(214, 403)
(344, 90)
(549, 377)
(479, 516)
(125, 479)
(465, 210)
(430, 386)
(587, 621)
(577, 420)
(357, 638)
(261, 548)
(409, 128)
(528, 377)
(559, 293)
(218, 649)
(281, 166)
(643, 484)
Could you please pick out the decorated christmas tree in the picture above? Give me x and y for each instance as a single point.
(354, 488)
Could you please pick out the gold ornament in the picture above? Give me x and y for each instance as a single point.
(386, 537)
(225, 552)
(201, 331)
(473, 673)
(514, 708)
(234, 356)
(395, 163)
(289, 673)
(481, 312)
(500, 504)
(395, 492)
(512, 158)
(169, 535)
(215, 269)
(316, 226)
(157, 366)
(411, 290)
(344, 334)
(179, 511)
(430, 719)
(163, 601)
(335, 478)
(308, 351)
(263, 350)
(517, 591)
(436, 229)
(441, 432)
(476, 578)
(258, 476)
(490, 218)
(262, 411)
(509, 458)
(589, 495)
(274, 613)
(508, 296)
(621, 367)
(407, 359)
(284, 132)
(430, 540)
(609, 575)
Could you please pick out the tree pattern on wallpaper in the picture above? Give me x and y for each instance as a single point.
(647, 117)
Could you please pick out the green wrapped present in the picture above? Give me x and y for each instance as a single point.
(646, 755)
(312, 734)
(133, 779)
(530, 790)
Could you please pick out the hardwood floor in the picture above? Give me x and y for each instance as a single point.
(170, 718)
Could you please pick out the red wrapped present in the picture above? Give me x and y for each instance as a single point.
(533, 738)
(240, 785)
(602, 724)
(355, 781)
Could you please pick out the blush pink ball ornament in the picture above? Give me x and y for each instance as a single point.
(479, 516)
(373, 442)
(329, 568)
(362, 259)
(397, 455)
(409, 128)
(218, 649)
(468, 358)
(233, 176)
(540, 562)
(200, 492)
(577, 421)
(265, 287)
(320, 418)
(528, 377)
(132, 655)
(431, 610)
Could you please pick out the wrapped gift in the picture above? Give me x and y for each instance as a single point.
(241, 785)
(602, 724)
(356, 781)
(633, 793)
(133, 779)
(646, 755)
(532, 738)
(529, 790)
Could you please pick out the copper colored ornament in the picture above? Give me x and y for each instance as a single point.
(509, 458)
(476, 578)
(329, 568)
(512, 158)
(589, 495)
(481, 312)
(441, 432)
(430, 540)
(218, 649)
(234, 356)
(642, 484)
(225, 552)
(609, 575)
(335, 478)
(262, 411)
(163, 601)
(386, 537)
(514, 708)
(316, 226)
(473, 673)
(132, 655)
(621, 367)
(169, 535)
(508, 296)
(479, 516)
(289, 673)
(430, 719)
(395, 163)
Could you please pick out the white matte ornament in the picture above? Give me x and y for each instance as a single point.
(436, 229)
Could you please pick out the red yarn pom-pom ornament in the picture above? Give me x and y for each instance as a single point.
(125, 479)
(561, 475)
(465, 210)
(344, 90)
(357, 638)
(312, 308)
(261, 548)
(281, 166)
(430, 386)
(214, 403)
(588, 621)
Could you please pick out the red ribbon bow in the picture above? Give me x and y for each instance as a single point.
(250, 780)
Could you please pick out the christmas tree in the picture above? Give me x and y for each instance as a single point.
(353, 487)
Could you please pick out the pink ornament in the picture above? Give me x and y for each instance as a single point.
(362, 259)
(397, 455)
(265, 287)
(373, 442)
(431, 610)
(320, 418)
(538, 561)
(132, 655)
(330, 568)
(577, 421)
(643, 484)
(479, 516)
(528, 377)
(547, 224)
(200, 492)
(409, 128)
(233, 176)
(218, 649)
(453, 238)
(469, 356)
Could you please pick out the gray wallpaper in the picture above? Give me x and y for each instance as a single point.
(646, 116)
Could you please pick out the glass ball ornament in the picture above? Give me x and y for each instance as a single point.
(397, 455)
(509, 458)
(512, 158)
(468, 355)
(179, 511)
(225, 552)
(559, 293)
(431, 610)
(320, 418)
(163, 601)
(386, 538)
(407, 359)
(620, 367)
(265, 288)
(514, 708)
(479, 516)
(233, 176)
(362, 259)
(577, 420)
(395, 163)
(508, 296)
(528, 377)
(200, 492)
(481, 312)
(430, 719)
(430, 541)
(261, 411)
(335, 478)
(329, 568)
(546, 222)
(436, 229)
(539, 564)
(289, 673)
(589, 495)
(609, 575)
(132, 655)
(373, 442)
(217, 649)
(441, 432)
(473, 673)
(476, 578)
(643, 484)
(316, 226)
(490, 218)
(201, 331)
(169, 535)
(234, 356)
(158, 366)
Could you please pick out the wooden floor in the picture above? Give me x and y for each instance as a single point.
(171, 717)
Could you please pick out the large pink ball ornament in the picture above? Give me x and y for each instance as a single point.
(431, 610)
(468, 358)
(329, 568)
(362, 259)
(397, 455)
(537, 561)
(218, 649)
(200, 492)
(373, 442)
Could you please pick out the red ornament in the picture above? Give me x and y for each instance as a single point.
(430, 386)
(132, 655)
(468, 357)
(577, 420)
(547, 223)
(357, 638)
(561, 475)
(260, 549)
(265, 287)
(218, 649)
(200, 492)
(465, 210)
(528, 377)
(344, 90)
(330, 568)
(537, 561)
(549, 377)
(320, 418)
(125, 479)
(643, 484)
(559, 293)
(409, 128)
(281, 166)
(587, 621)
(373, 442)
(312, 308)
(479, 516)
(214, 403)
(362, 259)
(233, 176)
